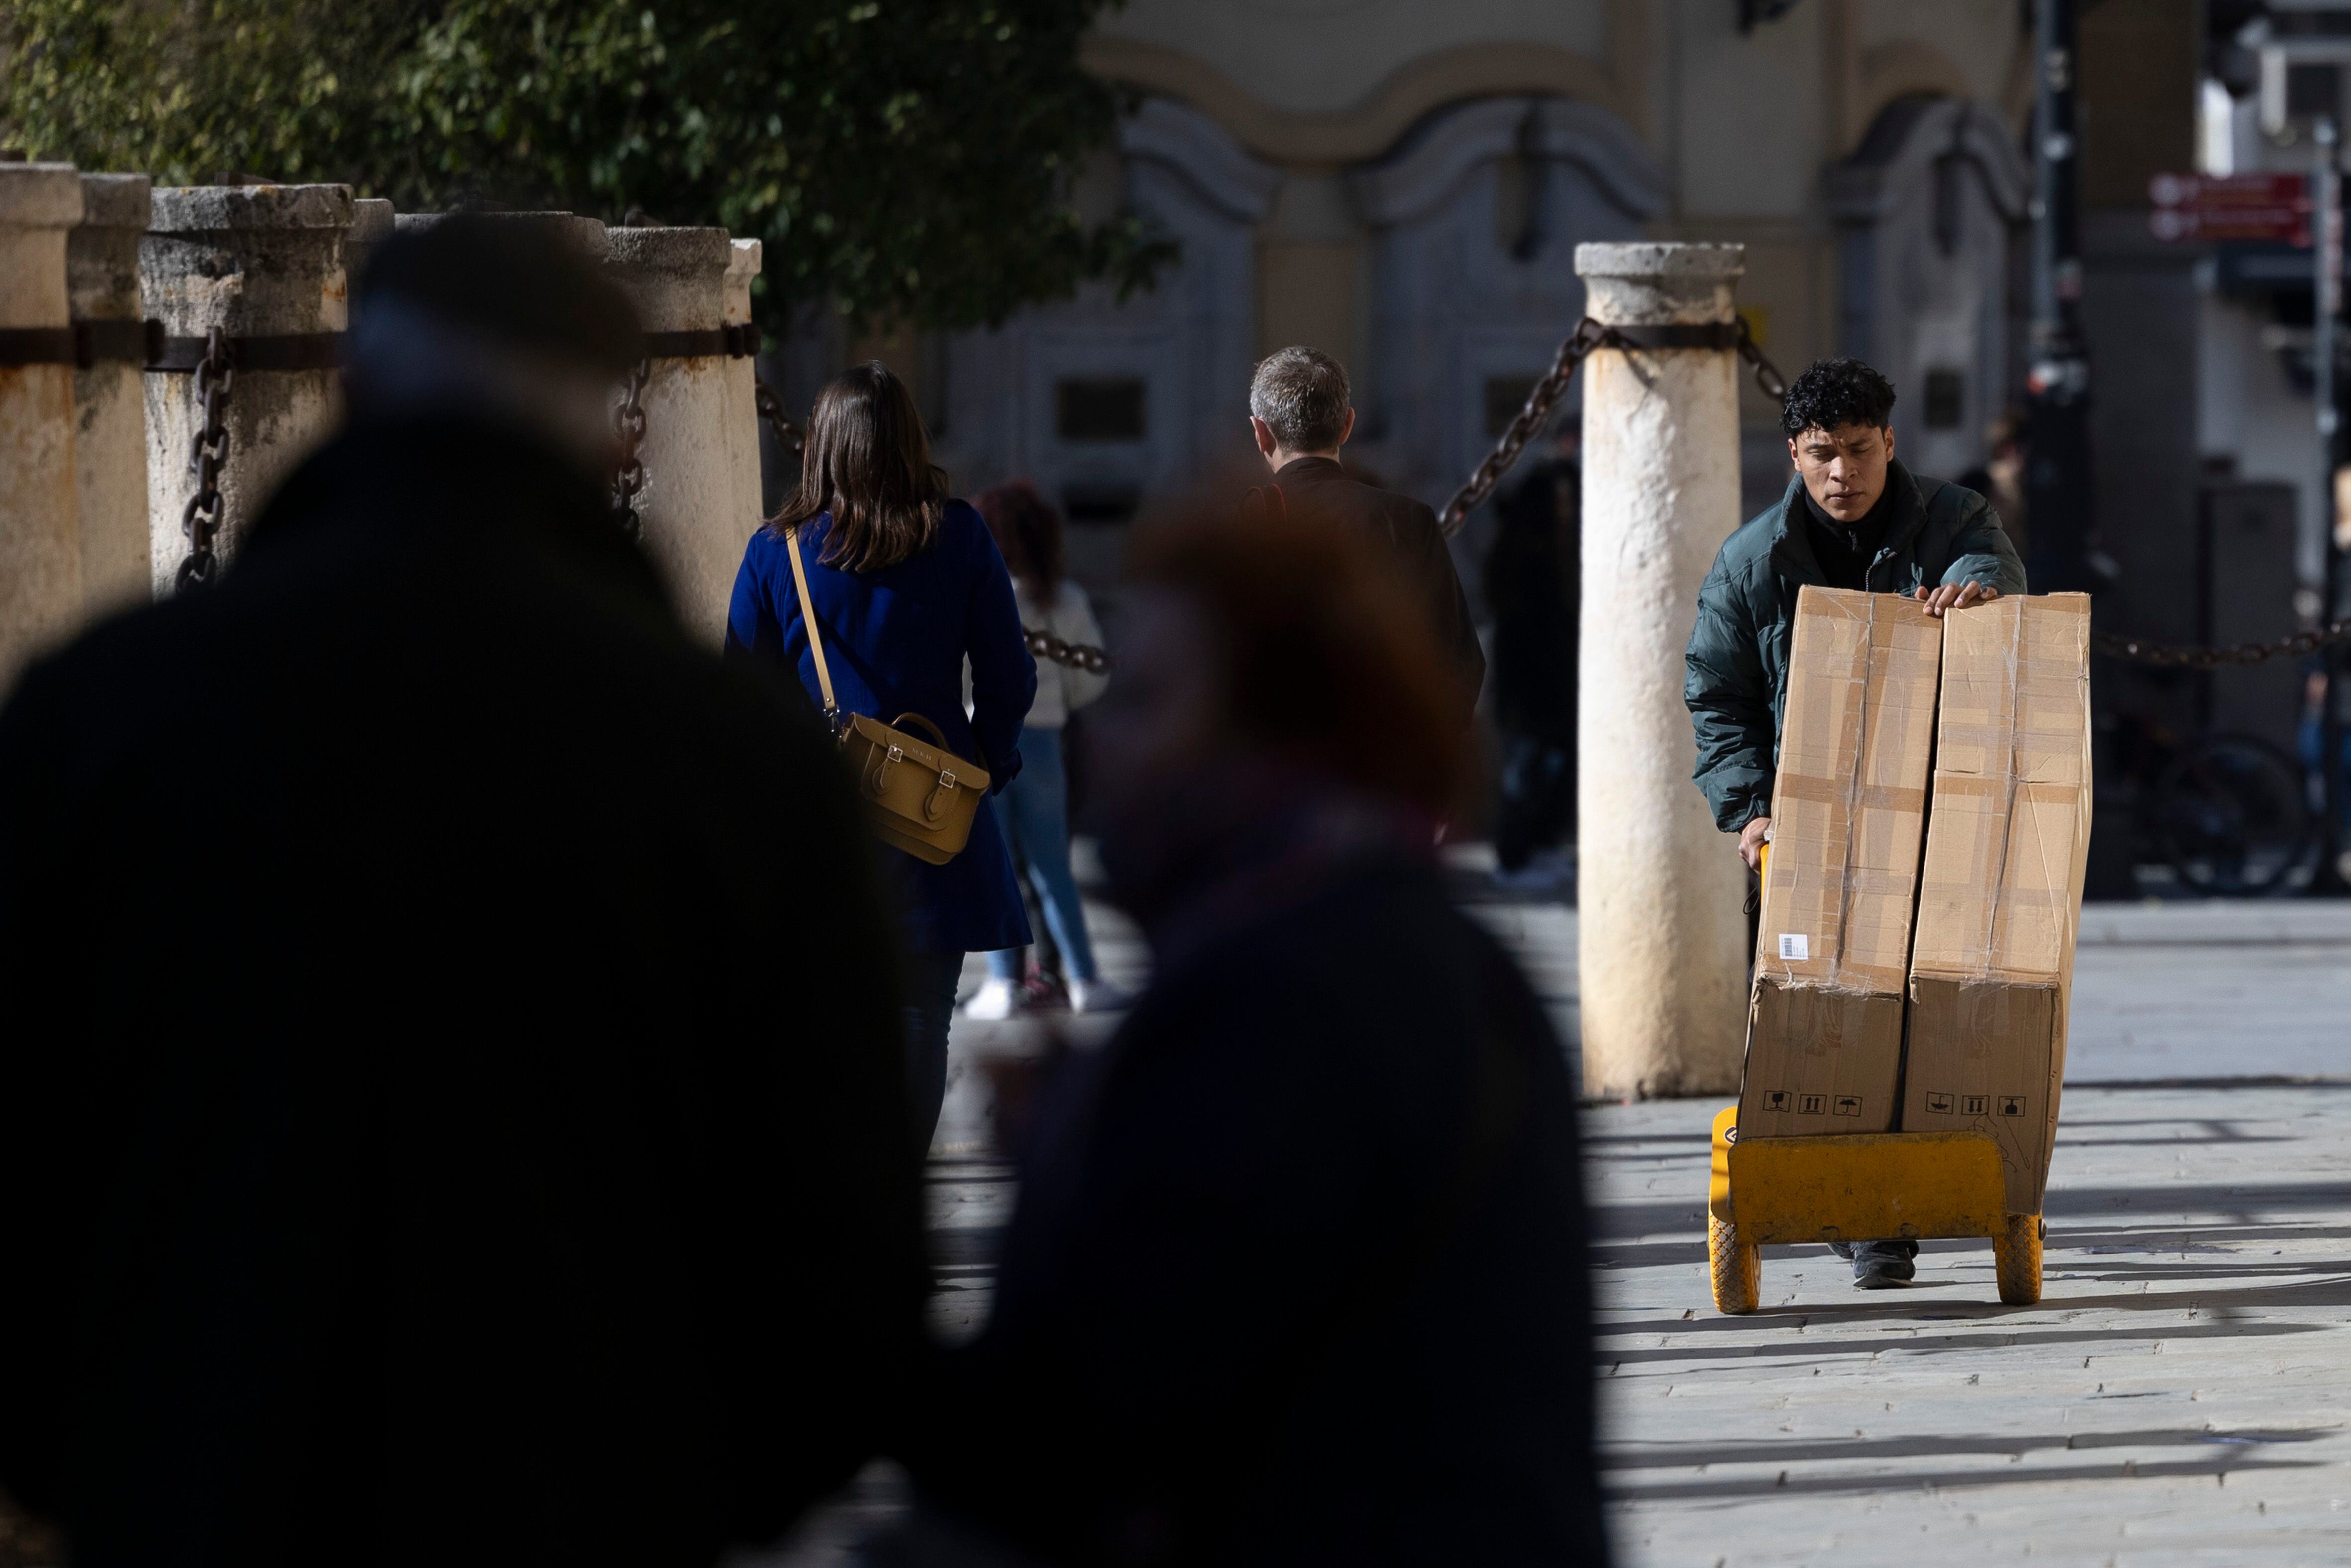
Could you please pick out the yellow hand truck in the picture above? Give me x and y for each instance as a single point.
(1859, 1186)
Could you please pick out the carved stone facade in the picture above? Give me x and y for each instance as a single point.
(1106, 404)
(1929, 210)
(1404, 185)
(1474, 225)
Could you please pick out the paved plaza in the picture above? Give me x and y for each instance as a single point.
(2181, 1395)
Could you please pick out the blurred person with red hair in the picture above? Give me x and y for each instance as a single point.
(1298, 1270)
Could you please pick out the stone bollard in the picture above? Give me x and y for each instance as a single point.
(40, 550)
(1661, 923)
(263, 265)
(691, 510)
(743, 390)
(372, 224)
(109, 405)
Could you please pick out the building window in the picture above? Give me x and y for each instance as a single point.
(1108, 409)
(1945, 399)
(2313, 90)
(1505, 395)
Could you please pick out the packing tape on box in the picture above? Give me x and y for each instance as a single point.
(2009, 746)
(1830, 703)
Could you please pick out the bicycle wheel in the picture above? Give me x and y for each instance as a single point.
(2233, 817)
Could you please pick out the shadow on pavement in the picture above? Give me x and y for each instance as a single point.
(1942, 1344)
(1680, 1456)
(1951, 1480)
(2245, 1205)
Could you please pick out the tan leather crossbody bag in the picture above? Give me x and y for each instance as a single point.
(919, 796)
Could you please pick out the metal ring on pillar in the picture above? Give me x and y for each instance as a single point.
(280, 352)
(1717, 335)
(36, 346)
(738, 342)
(125, 342)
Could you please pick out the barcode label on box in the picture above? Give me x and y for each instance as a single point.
(1794, 946)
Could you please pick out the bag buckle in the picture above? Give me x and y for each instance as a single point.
(934, 806)
(877, 778)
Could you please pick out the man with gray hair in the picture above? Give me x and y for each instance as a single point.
(1300, 413)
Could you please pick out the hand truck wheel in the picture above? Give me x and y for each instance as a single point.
(1737, 1266)
(2016, 1255)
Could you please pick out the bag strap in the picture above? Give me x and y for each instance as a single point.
(938, 736)
(808, 614)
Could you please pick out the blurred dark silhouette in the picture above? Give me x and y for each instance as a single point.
(444, 1122)
(1297, 1273)
(1533, 589)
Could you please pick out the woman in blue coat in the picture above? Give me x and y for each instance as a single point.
(906, 583)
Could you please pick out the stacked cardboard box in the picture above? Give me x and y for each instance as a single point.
(1825, 1036)
(2007, 834)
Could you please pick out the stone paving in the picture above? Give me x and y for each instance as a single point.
(2181, 1395)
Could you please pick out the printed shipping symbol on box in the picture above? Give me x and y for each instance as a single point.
(1848, 807)
(2000, 900)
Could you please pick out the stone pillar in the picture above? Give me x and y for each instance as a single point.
(40, 553)
(694, 524)
(1660, 895)
(110, 406)
(257, 262)
(742, 393)
(372, 224)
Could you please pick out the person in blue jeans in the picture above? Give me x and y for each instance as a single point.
(1034, 810)
(907, 585)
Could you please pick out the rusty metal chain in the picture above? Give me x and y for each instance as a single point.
(770, 403)
(2186, 656)
(1589, 335)
(1076, 655)
(629, 479)
(216, 379)
(1767, 379)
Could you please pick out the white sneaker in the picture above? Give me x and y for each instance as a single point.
(1099, 997)
(994, 1000)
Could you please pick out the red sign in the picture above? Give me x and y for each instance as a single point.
(2230, 206)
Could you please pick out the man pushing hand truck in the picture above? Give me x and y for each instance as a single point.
(1853, 518)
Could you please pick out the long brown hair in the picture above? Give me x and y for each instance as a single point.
(1028, 532)
(868, 463)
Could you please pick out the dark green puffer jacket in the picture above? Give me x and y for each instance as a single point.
(1737, 655)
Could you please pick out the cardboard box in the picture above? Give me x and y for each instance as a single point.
(2007, 834)
(1849, 803)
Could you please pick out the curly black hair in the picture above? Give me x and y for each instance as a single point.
(1834, 393)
